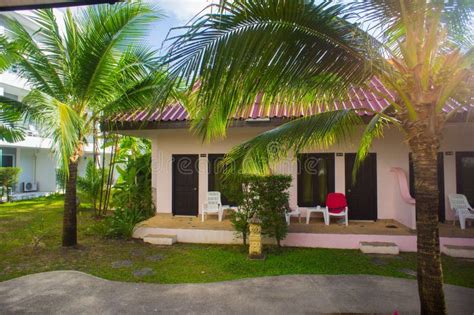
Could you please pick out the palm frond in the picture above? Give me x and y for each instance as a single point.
(35, 64)
(139, 83)
(372, 131)
(389, 18)
(317, 131)
(106, 31)
(11, 116)
(293, 51)
(7, 53)
(57, 121)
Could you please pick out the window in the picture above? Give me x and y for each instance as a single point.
(8, 160)
(214, 177)
(316, 178)
(465, 175)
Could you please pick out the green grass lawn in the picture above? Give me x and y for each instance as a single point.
(20, 222)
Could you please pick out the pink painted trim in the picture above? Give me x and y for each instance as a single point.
(406, 243)
(403, 183)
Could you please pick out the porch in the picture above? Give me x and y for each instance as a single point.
(190, 229)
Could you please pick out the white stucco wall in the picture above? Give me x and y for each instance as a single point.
(37, 165)
(391, 152)
(46, 170)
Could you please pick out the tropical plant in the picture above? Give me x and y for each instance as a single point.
(265, 196)
(122, 222)
(132, 196)
(91, 185)
(273, 201)
(306, 53)
(10, 111)
(8, 179)
(236, 188)
(94, 68)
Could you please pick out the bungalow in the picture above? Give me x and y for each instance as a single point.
(183, 166)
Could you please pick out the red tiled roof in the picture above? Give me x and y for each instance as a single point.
(359, 99)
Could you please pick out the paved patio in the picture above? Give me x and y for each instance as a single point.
(379, 227)
(72, 292)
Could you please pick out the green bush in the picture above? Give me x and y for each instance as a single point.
(123, 221)
(273, 200)
(231, 188)
(8, 179)
(133, 188)
(132, 197)
(265, 195)
(90, 185)
(246, 199)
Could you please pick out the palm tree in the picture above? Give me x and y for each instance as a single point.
(89, 66)
(306, 53)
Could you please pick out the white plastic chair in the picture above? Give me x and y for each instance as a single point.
(292, 213)
(213, 205)
(462, 209)
(336, 206)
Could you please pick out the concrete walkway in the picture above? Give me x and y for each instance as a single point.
(71, 292)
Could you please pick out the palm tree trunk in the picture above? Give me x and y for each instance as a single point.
(424, 142)
(70, 207)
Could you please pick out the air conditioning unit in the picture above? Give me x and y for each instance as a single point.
(29, 186)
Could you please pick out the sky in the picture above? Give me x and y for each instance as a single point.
(175, 13)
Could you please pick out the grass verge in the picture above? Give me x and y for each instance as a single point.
(23, 222)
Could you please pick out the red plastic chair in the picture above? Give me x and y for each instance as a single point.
(336, 206)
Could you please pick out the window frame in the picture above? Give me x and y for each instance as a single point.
(330, 162)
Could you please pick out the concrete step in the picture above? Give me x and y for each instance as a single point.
(385, 248)
(160, 239)
(458, 251)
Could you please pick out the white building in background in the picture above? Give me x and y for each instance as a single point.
(33, 155)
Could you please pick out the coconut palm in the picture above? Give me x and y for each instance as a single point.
(88, 66)
(306, 53)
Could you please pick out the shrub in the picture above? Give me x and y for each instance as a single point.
(8, 179)
(273, 200)
(91, 184)
(133, 188)
(247, 200)
(265, 195)
(123, 221)
(132, 197)
(231, 188)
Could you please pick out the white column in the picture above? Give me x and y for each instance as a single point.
(203, 181)
(17, 164)
(449, 181)
(154, 171)
(339, 174)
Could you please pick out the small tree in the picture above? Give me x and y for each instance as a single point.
(237, 189)
(273, 199)
(8, 179)
(265, 195)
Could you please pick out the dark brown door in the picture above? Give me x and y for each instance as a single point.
(185, 184)
(441, 200)
(362, 195)
(465, 175)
